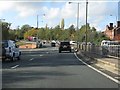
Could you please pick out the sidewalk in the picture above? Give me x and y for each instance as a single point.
(108, 63)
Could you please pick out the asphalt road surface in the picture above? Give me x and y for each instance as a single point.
(47, 68)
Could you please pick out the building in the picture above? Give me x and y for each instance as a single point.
(113, 32)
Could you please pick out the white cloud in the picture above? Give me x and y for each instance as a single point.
(24, 11)
(97, 11)
(68, 11)
(5, 5)
(51, 13)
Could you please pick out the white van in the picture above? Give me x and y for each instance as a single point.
(11, 50)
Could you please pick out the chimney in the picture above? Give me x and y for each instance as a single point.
(111, 26)
(118, 23)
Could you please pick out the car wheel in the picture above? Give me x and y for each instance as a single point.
(3, 59)
(18, 57)
(59, 51)
(12, 58)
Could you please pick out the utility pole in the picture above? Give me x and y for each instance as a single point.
(86, 26)
(78, 17)
(37, 21)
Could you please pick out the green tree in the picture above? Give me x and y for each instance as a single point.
(24, 29)
(5, 30)
(71, 32)
(12, 35)
(33, 32)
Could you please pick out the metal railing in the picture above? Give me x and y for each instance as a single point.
(113, 50)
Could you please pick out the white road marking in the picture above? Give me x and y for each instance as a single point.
(111, 78)
(41, 55)
(31, 59)
(14, 66)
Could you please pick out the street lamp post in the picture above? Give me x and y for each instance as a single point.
(37, 22)
(77, 14)
(86, 26)
(77, 18)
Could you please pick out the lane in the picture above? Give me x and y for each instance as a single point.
(54, 70)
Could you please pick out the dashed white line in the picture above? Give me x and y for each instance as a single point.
(41, 55)
(14, 66)
(111, 78)
(31, 59)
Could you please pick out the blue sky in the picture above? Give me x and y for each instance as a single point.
(25, 12)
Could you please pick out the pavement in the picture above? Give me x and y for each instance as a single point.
(109, 63)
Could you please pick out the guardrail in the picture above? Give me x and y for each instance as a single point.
(113, 50)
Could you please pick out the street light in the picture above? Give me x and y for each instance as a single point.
(77, 17)
(77, 14)
(38, 20)
(86, 26)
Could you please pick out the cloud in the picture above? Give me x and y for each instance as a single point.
(5, 5)
(68, 10)
(97, 11)
(25, 11)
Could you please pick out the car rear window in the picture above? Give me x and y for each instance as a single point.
(5, 44)
(65, 43)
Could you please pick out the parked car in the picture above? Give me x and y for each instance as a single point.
(38, 44)
(64, 46)
(53, 43)
(73, 44)
(10, 50)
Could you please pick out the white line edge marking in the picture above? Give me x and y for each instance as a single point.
(111, 78)
(31, 59)
(14, 66)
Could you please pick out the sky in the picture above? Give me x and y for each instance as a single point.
(51, 12)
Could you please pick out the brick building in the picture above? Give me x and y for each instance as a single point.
(113, 32)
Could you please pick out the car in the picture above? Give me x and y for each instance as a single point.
(53, 43)
(38, 44)
(10, 50)
(73, 44)
(64, 46)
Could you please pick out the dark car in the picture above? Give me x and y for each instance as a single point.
(64, 46)
(38, 44)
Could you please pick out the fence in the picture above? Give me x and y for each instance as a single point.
(113, 50)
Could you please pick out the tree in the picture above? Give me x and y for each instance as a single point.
(24, 29)
(71, 32)
(5, 30)
(12, 34)
(33, 32)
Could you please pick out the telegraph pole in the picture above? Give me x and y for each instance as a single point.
(86, 26)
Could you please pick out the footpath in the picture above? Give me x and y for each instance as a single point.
(108, 63)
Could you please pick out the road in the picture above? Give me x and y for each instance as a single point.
(46, 68)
